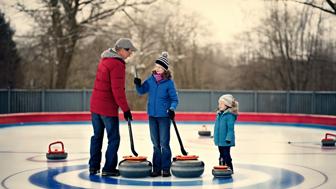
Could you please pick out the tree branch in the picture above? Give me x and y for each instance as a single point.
(112, 11)
(331, 4)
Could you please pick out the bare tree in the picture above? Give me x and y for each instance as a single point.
(163, 26)
(70, 20)
(180, 36)
(166, 27)
(312, 3)
(38, 62)
(289, 51)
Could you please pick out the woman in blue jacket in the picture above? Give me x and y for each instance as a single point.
(224, 135)
(161, 106)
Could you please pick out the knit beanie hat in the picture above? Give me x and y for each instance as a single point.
(227, 99)
(163, 60)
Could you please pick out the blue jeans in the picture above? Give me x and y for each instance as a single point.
(160, 135)
(111, 124)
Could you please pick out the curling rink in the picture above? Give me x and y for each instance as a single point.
(266, 156)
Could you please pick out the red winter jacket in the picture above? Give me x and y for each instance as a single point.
(109, 86)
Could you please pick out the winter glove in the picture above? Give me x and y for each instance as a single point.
(171, 114)
(227, 142)
(137, 81)
(128, 115)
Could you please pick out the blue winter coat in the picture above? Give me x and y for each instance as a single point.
(224, 129)
(161, 96)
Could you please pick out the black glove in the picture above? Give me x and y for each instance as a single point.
(171, 114)
(227, 142)
(128, 115)
(137, 81)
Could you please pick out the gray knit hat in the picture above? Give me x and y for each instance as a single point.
(163, 60)
(125, 43)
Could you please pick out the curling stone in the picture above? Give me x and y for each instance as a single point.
(328, 141)
(221, 171)
(135, 167)
(187, 166)
(204, 131)
(56, 154)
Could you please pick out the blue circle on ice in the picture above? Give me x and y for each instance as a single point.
(280, 178)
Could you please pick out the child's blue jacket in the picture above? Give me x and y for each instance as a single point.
(161, 96)
(224, 129)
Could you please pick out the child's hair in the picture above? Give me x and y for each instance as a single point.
(235, 107)
(166, 74)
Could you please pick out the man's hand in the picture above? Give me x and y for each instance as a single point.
(128, 115)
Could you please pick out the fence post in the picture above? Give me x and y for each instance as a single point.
(287, 101)
(83, 99)
(313, 107)
(9, 101)
(42, 100)
(255, 101)
(211, 97)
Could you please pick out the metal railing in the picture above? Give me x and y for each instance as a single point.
(306, 102)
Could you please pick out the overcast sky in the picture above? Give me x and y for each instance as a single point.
(225, 17)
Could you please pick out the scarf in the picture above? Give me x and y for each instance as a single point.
(158, 77)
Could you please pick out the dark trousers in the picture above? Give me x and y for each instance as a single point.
(111, 124)
(160, 136)
(225, 156)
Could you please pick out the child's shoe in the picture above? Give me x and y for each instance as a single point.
(155, 174)
(166, 173)
(94, 171)
(113, 173)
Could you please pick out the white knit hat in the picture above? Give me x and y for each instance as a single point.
(227, 99)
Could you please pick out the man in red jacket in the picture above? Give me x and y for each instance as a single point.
(107, 96)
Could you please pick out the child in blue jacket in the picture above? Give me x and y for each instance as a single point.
(161, 106)
(224, 135)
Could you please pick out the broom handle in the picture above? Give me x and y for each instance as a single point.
(131, 138)
(179, 139)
